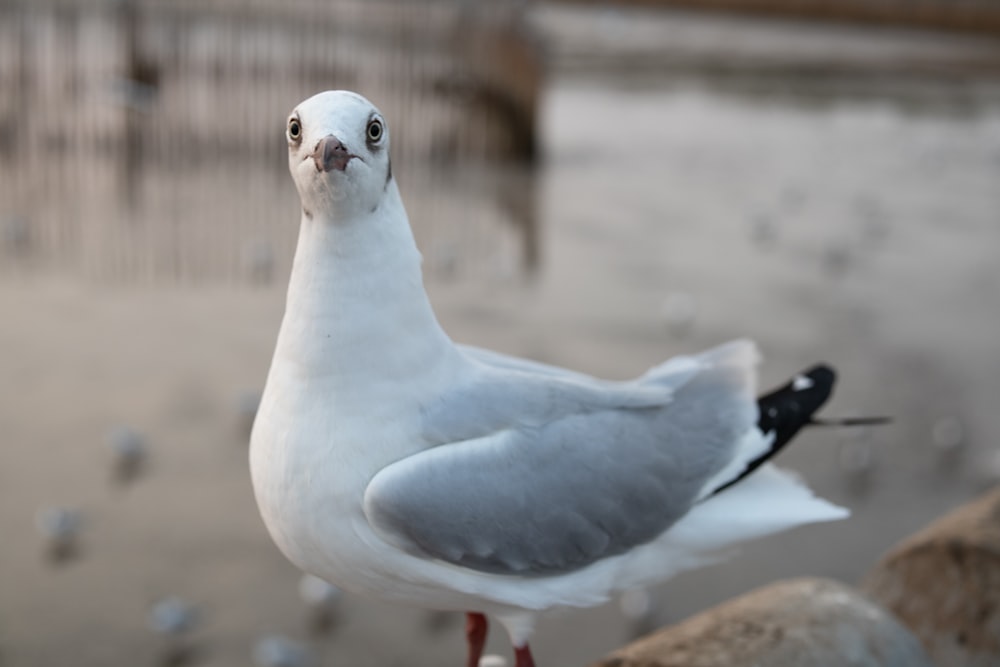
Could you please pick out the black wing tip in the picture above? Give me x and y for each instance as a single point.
(789, 408)
(822, 371)
(823, 375)
(784, 411)
(806, 392)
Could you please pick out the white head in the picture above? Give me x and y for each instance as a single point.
(338, 153)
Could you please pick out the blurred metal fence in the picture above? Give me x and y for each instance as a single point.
(969, 15)
(144, 138)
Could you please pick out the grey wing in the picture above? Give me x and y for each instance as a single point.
(511, 391)
(550, 498)
(509, 362)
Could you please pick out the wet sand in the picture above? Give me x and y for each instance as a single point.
(853, 232)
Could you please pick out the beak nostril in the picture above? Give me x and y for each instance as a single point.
(330, 143)
(331, 153)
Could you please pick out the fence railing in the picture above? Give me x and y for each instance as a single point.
(146, 137)
(970, 15)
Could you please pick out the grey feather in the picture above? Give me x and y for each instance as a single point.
(500, 360)
(561, 473)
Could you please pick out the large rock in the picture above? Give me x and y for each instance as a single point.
(795, 623)
(944, 583)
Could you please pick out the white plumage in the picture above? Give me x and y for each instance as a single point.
(396, 464)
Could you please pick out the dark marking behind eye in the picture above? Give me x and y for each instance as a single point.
(388, 174)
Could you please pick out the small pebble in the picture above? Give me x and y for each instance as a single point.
(279, 651)
(318, 592)
(60, 528)
(178, 653)
(493, 660)
(436, 621)
(172, 617)
(129, 451)
(174, 620)
(323, 600)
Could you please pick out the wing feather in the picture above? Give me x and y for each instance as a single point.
(576, 480)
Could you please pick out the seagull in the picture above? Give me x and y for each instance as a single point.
(394, 463)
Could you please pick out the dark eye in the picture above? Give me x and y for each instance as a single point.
(294, 129)
(374, 130)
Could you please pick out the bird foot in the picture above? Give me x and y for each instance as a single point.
(522, 656)
(476, 627)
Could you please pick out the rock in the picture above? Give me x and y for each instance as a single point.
(323, 602)
(171, 616)
(794, 623)
(128, 448)
(944, 583)
(279, 651)
(60, 528)
(175, 620)
(436, 621)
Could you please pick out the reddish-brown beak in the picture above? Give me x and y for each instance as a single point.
(330, 154)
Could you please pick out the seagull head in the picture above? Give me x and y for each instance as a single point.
(338, 153)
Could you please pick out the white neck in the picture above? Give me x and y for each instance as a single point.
(357, 306)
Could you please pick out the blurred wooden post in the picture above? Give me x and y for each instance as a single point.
(794, 623)
(973, 16)
(131, 136)
(944, 583)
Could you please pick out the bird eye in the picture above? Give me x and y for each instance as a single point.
(294, 129)
(374, 130)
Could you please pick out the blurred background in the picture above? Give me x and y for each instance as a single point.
(593, 184)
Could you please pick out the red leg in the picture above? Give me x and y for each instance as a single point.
(522, 654)
(475, 632)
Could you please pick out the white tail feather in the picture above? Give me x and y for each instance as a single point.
(768, 501)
